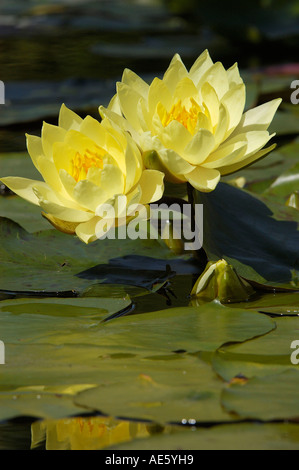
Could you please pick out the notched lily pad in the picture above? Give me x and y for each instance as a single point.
(59, 260)
(274, 397)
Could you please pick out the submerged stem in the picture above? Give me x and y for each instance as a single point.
(190, 194)
(199, 255)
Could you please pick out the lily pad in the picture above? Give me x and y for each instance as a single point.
(267, 398)
(60, 261)
(279, 436)
(160, 390)
(23, 213)
(275, 304)
(261, 356)
(192, 329)
(55, 345)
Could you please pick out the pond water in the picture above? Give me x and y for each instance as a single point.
(104, 347)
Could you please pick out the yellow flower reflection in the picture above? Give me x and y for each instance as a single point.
(87, 433)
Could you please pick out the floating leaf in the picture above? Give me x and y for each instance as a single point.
(234, 436)
(265, 398)
(261, 356)
(61, 262)
(58, 345)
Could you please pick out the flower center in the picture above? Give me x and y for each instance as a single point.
(186, 117)
(82, 163)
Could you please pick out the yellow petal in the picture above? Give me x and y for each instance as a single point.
(216, 76)
(203, 179)
(226, 155)
(35, 148)
(158, 93)
(174, 162)
(233, 76)
(49, 172)
(129, 99)
(67, 181)
(222, 126)
(80, 142)
(134, 81)
(149, 142)
(50, 135)
(175, 136)
(152, 187)
(87, 231)
(61, 225)
(144, 116)
(89, 195)
(62, 156)
(255, 140)
(94, 175)
(227, 170)
(199, 147)
(174, 73)
(234, 101)
(58, 210)
(112, 180)
(116, 131)
(203, 122)
(153, 161)
(93, 130)
(68, 119)
(23, 187)
(184, 90)
(258, 118)
(200, 66)
(118, 120)
(133, 166)
(211, 102)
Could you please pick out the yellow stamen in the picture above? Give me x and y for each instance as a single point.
(186, 117)
(82, 163)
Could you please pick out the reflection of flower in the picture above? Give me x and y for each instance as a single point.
(191, 124)
(220, 281)
(84, 165)
(83, 433)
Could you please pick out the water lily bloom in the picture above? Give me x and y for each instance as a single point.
(85, 164)
(191, 124)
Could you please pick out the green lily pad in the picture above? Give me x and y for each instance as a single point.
(58, 344)
(37, 404)
(276, 304)
(160, 390)
(261, 356)
(18, 164)
(192, 329)
(279, 436)
(272, 397)
(22, 212)
(61, 262)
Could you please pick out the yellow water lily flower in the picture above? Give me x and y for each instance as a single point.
(191, 124)
(85, 164)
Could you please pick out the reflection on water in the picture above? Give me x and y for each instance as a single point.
(76, 433)
(87, 433)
